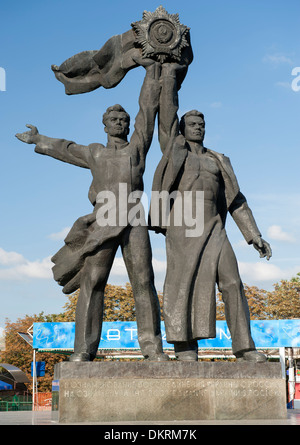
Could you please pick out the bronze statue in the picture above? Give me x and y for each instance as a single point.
(196, 263)
(86, 258)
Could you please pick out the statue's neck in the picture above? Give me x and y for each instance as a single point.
(196, 147)
(115, 140)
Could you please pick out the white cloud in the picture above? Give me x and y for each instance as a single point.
(264, 271)
(159, 266)
(241, 244)
(287, 85)
(159, 251)
(119, 276)
(216, 105)
(60, 235)
(7, 258)
(16, 267)
(277, 59)
(276, 233)
(119, 267)
(36, 269)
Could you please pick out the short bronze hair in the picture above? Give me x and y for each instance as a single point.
(116, 107)
(189, 113)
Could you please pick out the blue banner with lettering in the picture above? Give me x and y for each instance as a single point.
(123, 335)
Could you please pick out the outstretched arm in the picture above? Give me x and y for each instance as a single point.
(61, 149)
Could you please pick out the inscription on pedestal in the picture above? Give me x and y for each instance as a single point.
(171, 399)
(73, 388)
(248, 388)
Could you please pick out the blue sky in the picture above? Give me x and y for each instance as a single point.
(241, 78)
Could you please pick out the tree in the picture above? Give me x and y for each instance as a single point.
(281, 303)
(118, 304)
(257, 302)
(19, 353)
(284, 300)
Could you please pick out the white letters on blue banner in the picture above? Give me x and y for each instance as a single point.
(123, 335)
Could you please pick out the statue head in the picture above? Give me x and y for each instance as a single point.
(192, 126)
(116, 121)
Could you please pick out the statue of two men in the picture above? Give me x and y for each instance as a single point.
(194, 263)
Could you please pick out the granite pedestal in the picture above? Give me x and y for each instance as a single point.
(151, 391)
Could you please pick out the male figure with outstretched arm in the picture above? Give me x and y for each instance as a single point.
(86, 258)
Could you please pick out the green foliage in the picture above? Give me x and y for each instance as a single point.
(118, 304)
(282, 302)
(18, 353)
